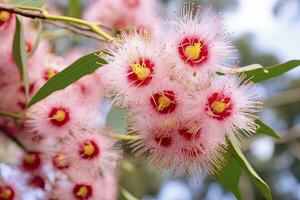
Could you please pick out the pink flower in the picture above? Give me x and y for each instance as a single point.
(162, 107)
(135, 68)
(85, 189)
(197, 43)
(85, 153)
(54, 117)
(188, 146)
(228, 105)
(8, 192)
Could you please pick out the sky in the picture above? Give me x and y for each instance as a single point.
(276, 35)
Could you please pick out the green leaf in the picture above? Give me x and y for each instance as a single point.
(241, 159)
(265, 129)
(31, 3)
(83, 66)
(258, 73)
(19, 54)
(74, 9)
(230, 175)
(127, 195)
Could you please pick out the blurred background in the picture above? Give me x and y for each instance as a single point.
(265, 32)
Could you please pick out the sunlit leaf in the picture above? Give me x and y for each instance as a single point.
(74, 9)
(258, 73)
(83, 66)
(19, 53)
(265, 129)
(230, 175)
(127, 195)
(241, 159)
(31, 3)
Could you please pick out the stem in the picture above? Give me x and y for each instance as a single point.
(91, 25)
(11, 115)
(13, 138)
(126, 137)
(83, 32)
(40, 13)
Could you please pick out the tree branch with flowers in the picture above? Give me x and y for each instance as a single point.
(188, 106)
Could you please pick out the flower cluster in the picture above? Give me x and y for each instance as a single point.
(69, 153)
(177, 105)
(181, 111)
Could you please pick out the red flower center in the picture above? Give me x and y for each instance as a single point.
(140, 71)
(193, 51)
(7, 193)
(49, 73)
(219, 106)
(59, 116)
(60, 161)
(37, 181)
(190, 133)
(163, 139)
(82, 191)
(89, 150)
(132, 3)
(4, 17)
(164, 102)
(31, 161)
(28, 47)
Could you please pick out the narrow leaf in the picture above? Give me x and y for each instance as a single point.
(19, 54)
(31, 3)
(258, 73)
(74, 9)
(127, 195)
(243, 162)
(230, 175)
(265, 129)
(83, 66)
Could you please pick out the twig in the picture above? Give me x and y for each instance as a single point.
(13, 138)
(125, 137)
(11, 115)
(40, 13)
(84, 32)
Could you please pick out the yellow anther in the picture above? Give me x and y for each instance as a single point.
(29, 158)
(88, 149)
(6, 193)
(50, 73)
(4, 16)
(219, 106)
(141, 71)
(163, 102)
(193, 51)
(83, 191)
(59, 116)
